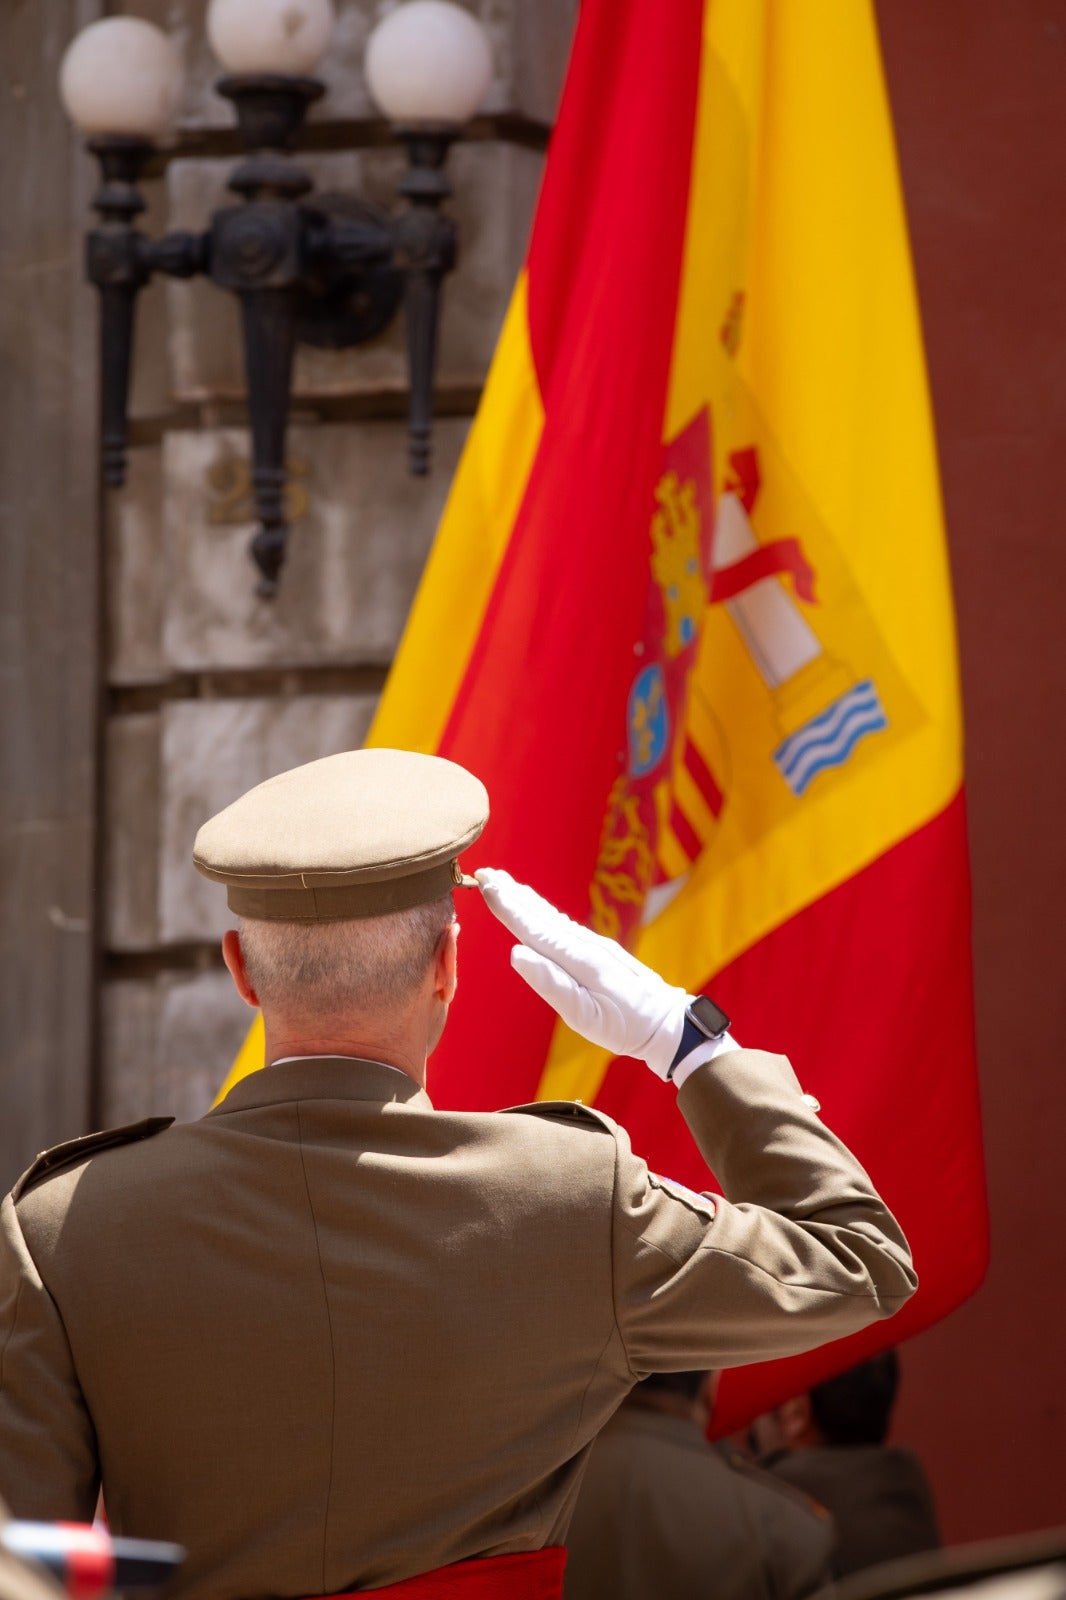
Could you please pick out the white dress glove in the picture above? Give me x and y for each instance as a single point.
(598, 989)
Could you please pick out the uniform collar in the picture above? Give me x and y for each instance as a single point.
(635, 1418)
(324, 1078)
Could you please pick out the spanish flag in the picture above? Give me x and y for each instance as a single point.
(688, 613)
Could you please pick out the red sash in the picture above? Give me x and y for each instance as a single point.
(530, 1575)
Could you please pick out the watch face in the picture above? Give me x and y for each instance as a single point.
(711, 1018)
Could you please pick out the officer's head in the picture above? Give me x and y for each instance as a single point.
(342, 873)
(332, 968)
(853, 1408)
(683, 1394)
(856, 1406)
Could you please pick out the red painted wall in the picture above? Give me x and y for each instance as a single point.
(979, 96)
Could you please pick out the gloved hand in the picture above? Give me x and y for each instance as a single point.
(598, 989)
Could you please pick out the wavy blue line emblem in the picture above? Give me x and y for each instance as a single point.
(829, 739)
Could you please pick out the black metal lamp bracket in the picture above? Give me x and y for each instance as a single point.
(331, 270)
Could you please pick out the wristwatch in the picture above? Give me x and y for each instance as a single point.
(703, 1020)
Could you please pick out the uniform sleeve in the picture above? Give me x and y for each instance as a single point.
(800, 1252)
(48, 1458)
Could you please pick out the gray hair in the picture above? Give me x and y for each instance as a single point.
(331, 969)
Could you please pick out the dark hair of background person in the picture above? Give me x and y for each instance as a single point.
(686, 1384)
(856, 1407)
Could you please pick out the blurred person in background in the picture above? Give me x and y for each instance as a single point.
(831, 1443)
(663, 1515)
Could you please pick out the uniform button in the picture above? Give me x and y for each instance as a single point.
(809, 1100)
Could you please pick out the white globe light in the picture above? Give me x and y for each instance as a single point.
(121, 76)
(284, 36)
(428, 61)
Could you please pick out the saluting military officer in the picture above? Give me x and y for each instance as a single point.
(329, 1338)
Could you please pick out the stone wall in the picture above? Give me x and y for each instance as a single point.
(207, 689)
(49, 611)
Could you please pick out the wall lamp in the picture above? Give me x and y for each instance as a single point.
(328, 270)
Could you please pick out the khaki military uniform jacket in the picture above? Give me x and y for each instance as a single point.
(663, 1515)
(328, 1337)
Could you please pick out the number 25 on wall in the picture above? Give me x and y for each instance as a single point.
(229, 483)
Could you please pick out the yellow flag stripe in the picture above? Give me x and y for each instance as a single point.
(249, 1059)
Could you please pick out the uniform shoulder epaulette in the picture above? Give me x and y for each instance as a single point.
(566, 1111)
(63, 1155)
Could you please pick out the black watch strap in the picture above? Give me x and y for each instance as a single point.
(703, 1020)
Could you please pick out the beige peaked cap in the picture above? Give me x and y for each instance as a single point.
(353, 835)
